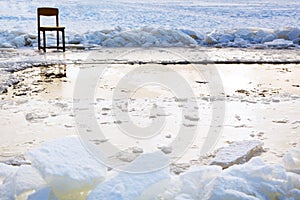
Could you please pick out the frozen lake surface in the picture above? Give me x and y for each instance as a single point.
(195, 18)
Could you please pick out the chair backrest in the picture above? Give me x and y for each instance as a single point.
(45, 11)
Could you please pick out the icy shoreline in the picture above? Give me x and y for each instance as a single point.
(162, 37)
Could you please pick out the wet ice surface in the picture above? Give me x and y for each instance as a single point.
(260, 99)
(261, 104)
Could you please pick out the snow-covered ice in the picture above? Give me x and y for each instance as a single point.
(67, 167)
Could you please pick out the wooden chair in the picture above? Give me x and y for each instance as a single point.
(50, 12)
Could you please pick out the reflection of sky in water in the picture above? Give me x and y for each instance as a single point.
(199, 15)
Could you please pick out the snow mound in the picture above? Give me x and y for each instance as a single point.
(67, 167)
(135, 185)
(163, 37)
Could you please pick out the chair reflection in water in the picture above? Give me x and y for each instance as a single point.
(50, 12)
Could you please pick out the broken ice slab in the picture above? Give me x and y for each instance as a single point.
(140, 180)
(252, 180)
(67, 167)
(291, 160)
(237, 153)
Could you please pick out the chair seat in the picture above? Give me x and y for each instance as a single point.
(51, 28)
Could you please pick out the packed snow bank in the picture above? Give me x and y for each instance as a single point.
(67, 167)
(162, 37)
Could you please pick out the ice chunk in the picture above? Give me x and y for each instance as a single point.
(294, 34)
(282, 34)
(269, 38)
(293, 180)
(5, 45)
(19, 41)
(228, 187)
(173, 189)
(147, 36)
(44, 193)
(194, 180)
(6, 170)
(245, 34)
(210, 40)
(260, 34)
(193, 34)
(294, 194)
(252, 180)
(226, 38)
(20, 182)
(237, 153)
(280, 43)
(240, 42)
(95, 37)
(6, 181)
(67, 167)
(128, 185)
(291, 160)
(75, 39)
(7, 189)
(26, 180)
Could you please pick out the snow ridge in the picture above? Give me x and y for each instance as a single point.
(163, 37)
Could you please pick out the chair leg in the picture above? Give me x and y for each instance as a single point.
(44, 40)
(57, 39)
(63, 40)
(39, 40)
